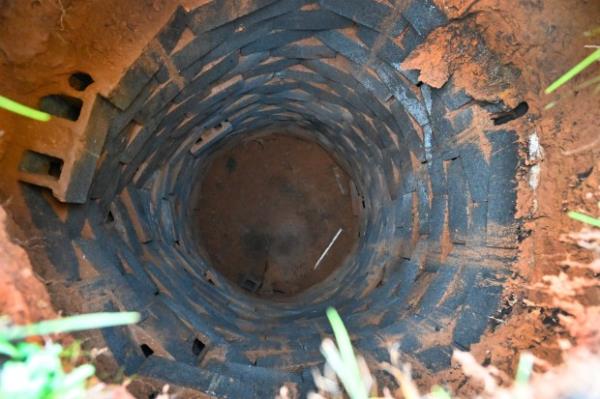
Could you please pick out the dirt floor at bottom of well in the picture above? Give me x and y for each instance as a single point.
(268, 208)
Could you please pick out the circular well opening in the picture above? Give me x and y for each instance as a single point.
(276, 214)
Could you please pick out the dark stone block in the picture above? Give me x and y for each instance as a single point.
(437, 175)
(344, 45)
(311, 20)
(428, 142)
(84, 167)
(98, 125)
(216, 14)
(183, 375)
(457, 292)
(104, 178)
(250, 374)
(442, 135)
(103, 260)
(437, 217)
(449, 97)
(388, 51)
(365, 12)
(410, 343)
(502, 183)
(476, 171)
(406, 125)
(426, 93)
(301, 76)
(137, 144)
(247, 63)
(462, 120)
(270, 67)
(303, 52)
(403, 211)
(133, 267)
(436, 358)
(481, 302)
(351, 84)
(403, 94)
(170, 34)
(139, 213)
(275, 40)
(121, 124)
(120, 227)
(437, 288)
(122, 345)
(201, 45)
(134, 80)
(340, 95)
(457, 203)
(202, 81)
(60, 253)
(424, 16)
(423, 207)
(81, 178)
(478, 223)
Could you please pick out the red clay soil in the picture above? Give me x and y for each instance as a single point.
(267, 210)
(22, 296)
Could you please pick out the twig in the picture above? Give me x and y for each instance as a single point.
(335, 237)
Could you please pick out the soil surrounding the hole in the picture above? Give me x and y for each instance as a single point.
(267, 210)
(22, 296)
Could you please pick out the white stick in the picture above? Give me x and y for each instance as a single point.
(335, 237)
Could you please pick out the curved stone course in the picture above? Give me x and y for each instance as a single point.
(439, 234)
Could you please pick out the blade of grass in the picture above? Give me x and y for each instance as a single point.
(581, 217)
(437, 392)
(524, 369)
(68, 324)
(587, 61)
(334, 359)
(7, 349)
(357, 389)
(23, 110)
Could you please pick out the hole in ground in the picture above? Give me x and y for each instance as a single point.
(267, 209)
(61, 105)
(197, 347)
(80, 80)
(42, 164)
(520, 110)
(146, 350)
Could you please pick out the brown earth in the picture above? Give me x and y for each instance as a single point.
(268, 208)
(42, 42)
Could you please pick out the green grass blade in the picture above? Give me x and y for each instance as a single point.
(343, 372)
(68, 324)
(7, 349)
(524, 369)
(581, 217)
(437, 392)
(571, 73)
(23, 110)
(357, 389)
